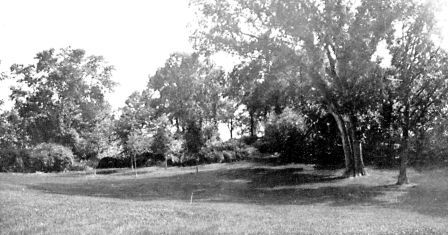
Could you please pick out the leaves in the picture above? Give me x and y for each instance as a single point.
(62, 95)
(189, 87)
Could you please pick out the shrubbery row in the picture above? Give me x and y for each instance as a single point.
(45, 157)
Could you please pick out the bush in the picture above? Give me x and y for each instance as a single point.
(228, 151)
(284, 134)
(83, 165)
(49, 157)
(175, 152)
(112, 162)
(430, 150)
(13, 160)
(249, 140)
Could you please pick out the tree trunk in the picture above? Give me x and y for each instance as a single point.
(359, 169)
(344, 139)
(252, 125)
(402, 177)
(419, 146)
(135, 165)
(197, 163)
(354, 164)
(231, 128)
(177, 125)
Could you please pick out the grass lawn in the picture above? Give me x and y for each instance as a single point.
(232, 198)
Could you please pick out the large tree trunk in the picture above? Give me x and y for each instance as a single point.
(356, 146)
(402, 177)
(354, 164)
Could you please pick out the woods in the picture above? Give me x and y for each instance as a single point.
(224, 117)
(312, 84)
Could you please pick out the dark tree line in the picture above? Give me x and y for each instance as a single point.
(329, 46)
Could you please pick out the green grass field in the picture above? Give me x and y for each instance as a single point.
(241, 198)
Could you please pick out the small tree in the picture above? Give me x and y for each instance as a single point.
(139, 142)
(193, 140)
(417, 79)
(161, 141)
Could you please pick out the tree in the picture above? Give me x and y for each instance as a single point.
(137, 115)
(227, 114)
(11, 135)
(2, 77)
(189, 88)
(193, 140)
(62, 96)
(98, 140)
(143, 134)
(417, 79)
(332, 43)
(263, 86)
(161, 140)
(138, 143)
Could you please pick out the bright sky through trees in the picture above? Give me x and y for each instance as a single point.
(135, 36)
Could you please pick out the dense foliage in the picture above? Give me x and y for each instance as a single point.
(331, 48)
(47, 157)
(61, 99)
(44, 157)
(311, 85)
(285, 134)
(14, 160)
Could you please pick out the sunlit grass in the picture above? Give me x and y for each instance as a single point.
(223, 198)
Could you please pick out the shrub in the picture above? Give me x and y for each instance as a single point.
(190, 159)
(430, 150)
(284, 134)
(228, 151)
(249, 140)
(13, 160)
(210, 133)
(108, 162)
(49, 157)
(82, 165)
(175, 151)
(120, 162)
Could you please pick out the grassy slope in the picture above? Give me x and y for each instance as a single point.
(227, 198)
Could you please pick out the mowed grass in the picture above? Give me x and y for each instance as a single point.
(235, 198)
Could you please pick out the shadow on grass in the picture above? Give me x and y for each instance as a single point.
(259, 185)
(430, 195)
(262, 184)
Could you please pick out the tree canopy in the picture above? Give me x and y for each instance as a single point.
(61, 98)
(312, 84)
(331, 44)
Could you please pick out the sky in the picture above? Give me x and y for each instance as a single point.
(136, 36)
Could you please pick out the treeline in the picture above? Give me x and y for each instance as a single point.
(312, 86)
(328, 54)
